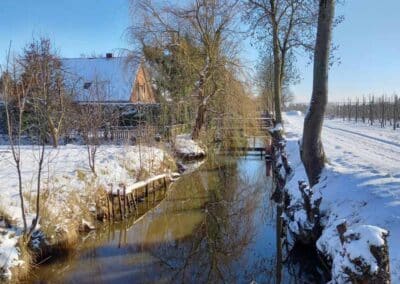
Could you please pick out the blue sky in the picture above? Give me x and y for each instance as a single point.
(75, 26)
(368, 39)
(369, 51)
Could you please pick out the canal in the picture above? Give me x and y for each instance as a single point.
(214, 225)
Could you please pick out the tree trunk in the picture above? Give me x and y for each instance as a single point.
(21, 196)
(202, 108)
(53, 130)
(200, 118)
(357, 110)
(312, 151)
(40, 168)
(277, 75)
(54, 137)
(371, 111)
(395, 113)
(363, 110)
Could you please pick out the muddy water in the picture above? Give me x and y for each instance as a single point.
(214, 225)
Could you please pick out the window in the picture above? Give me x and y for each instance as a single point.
(87, 85)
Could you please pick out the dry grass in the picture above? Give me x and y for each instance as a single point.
(143, 174)
(81, 175)
(4, 216)
(20, 273)
(61, 215)
(61, 227)
(168, 164)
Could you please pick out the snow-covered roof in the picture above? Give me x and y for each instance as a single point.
(115, 74)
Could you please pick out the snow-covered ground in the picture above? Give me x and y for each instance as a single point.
(362, 183)
(66, 175)
(187, 148)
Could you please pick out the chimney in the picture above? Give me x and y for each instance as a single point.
(109, 55)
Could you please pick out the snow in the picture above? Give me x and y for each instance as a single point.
(357, 250)
(294, 113)
(66, 173)
(9, 255)
(278, 127)
(141, 184)
(185, 146)
(360, 184)
(116, 74)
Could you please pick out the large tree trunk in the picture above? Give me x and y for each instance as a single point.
(200, 118)
(202, 108)
(277, 76)
(54, 136)
(312, 151)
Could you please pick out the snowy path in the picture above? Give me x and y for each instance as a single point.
(359, 148)
(363, 173)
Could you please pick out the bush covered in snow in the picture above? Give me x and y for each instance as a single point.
(187, 148)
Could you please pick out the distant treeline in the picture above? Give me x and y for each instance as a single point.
(375, 110)
(383, 110)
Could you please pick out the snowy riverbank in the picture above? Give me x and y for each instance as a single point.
(361, 184)
(187, 148)
(68, 186)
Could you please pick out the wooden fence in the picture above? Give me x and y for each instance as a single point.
(123, 201)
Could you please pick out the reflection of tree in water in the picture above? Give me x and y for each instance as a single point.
(303, 266)
(213, 251)
(215, 225)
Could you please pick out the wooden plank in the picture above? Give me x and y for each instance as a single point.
(108, 207)
(129, 203)
(134, 200)
(112, 205)
(120, 204)
(124, 196)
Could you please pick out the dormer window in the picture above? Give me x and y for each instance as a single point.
(87, 85)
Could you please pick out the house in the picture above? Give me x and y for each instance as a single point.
(109, 80)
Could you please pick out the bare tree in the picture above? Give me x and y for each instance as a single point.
(23, 102)
(45, 102)
(312, 151)
(265, 81)
(386, 110)
(41, 64)
(286, 24)
(210, 25)
(371, 109)
(38, 128)
(95, 120)
(395, 111)
(13, 93)
(363, 109)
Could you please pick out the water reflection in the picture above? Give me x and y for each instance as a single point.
(215, 225)
(219, 248)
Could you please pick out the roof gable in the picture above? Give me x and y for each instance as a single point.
(116, 74)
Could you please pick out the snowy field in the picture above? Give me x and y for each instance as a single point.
(66, 175)
(362, 182)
